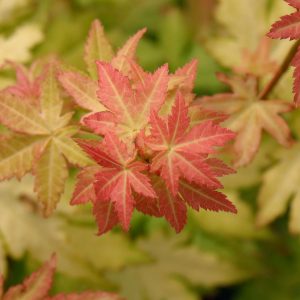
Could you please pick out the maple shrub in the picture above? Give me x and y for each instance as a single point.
(152, 148)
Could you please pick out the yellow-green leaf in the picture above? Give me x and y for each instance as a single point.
(72, 151)
(51, 172)
(20, 116)
(17, 155)
(97, 47)
(51, 103)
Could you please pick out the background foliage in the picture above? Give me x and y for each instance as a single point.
(218, 255)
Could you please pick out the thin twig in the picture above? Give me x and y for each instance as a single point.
(279, 73)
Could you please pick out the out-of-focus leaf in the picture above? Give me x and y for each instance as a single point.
(240, 226)
(80, 252)
(280, 186)
(17, 46)
(173, 261)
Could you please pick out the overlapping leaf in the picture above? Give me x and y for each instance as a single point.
(116, 181)
(173, 260)
(249, 116)
(37, 287)
(42, 140)
(128, 109)
(83, 88)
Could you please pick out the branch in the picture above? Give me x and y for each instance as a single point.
(279, 73)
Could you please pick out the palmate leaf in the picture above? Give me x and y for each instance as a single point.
(174, 266)
(173, 208)
(249, 116)
(83, 88)
(117, 179)
(46, 141)
(38, 284)
(180, 151)
(128, 109)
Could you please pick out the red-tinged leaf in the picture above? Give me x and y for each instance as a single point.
(218, 167)
(84, 189)
(201, 197)
(204, 137)
(82, 89)
(296, 75)
(116, 93)
(249, 116)
(184, 79)
(259, 62)
(127, 52)
(36, 286)
(148, 206)
(180, 149)
(129, 108)
(28, 82)
(97, 47)
(171, 207)
(288, 27)
(101, 123)
(1, 286)
(294, 3)
(105, 215)
(151, 93)
(95, 150)
(119, 177)
(122, 198)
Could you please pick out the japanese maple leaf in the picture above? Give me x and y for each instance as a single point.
(37, 287)
(249, 116)
(40, 140)
(128, 108)
(28, 82)
(258, 62)
(115, 182)
(83, 87)
(288, 27)
(173, 207)
(181, 150)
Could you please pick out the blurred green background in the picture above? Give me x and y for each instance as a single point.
(217, 256)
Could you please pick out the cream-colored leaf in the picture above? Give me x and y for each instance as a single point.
(51, 172)
(170, 260)
(17, 155)
(97, 47)
(243, 25)
(20, 116)
(281, 185)
(17, 46)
